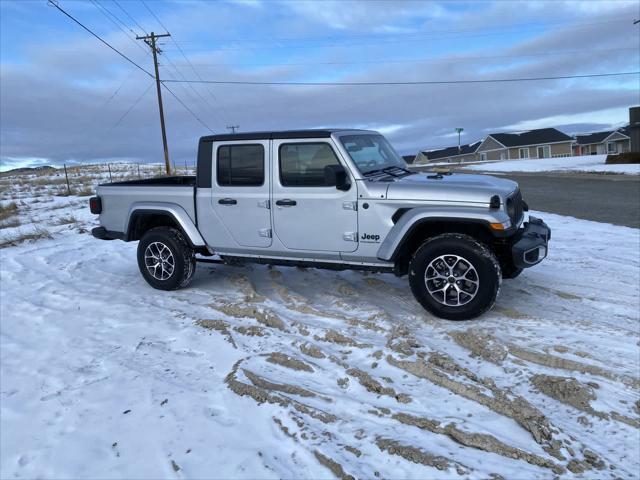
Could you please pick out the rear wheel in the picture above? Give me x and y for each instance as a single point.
(165, 258)
(455, 277)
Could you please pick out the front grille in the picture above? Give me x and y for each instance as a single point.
(514, 208)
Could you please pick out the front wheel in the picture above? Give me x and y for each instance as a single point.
(455, 277)
(165, 258)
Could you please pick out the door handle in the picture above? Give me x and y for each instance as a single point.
(227, 201)
(286, 203)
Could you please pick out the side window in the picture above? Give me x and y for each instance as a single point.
(302, 164)
(240, 165)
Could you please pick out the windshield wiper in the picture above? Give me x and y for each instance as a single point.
(387, 170)
(399, 168)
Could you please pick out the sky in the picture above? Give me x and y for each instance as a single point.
(65, 97)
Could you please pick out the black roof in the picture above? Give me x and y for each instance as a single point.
(531, 137)
(452, 151)
(312, 133)
(595, 137)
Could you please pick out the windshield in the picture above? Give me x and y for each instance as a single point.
(372, 153)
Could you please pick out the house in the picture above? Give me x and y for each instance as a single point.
(540, 143)
(409, 158)
(602, 143)
(465, 153)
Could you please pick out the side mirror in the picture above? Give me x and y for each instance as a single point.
(336, 176)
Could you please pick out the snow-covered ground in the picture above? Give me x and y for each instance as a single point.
(588, 163)
(257, 372)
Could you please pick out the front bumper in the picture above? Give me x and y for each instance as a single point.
(531, 243)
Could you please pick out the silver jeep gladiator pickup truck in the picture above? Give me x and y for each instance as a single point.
(339, 199)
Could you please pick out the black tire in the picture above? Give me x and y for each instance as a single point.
(483, 289)
(181, 263)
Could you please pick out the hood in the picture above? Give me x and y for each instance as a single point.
(457, 187)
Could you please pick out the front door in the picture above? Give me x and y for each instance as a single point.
(308, 214)
(240, 194)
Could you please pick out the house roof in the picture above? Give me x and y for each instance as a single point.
(451, 151)
(595, 137)
(598, 137)
(531, 137)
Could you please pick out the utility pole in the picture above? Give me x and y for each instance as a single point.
(459, 131)
(233, 128)
(151, 41)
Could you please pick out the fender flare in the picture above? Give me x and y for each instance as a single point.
(415, 217)
(176, 212)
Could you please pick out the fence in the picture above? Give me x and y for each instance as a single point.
(82, 179)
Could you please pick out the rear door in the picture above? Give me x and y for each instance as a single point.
(308, 214)
(240, 193)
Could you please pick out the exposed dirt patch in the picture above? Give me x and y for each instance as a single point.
(289, 362)
(220, 326)
(372, 385)
(374, 282)
(567, 390)
(284, 429)
(510, 312)
(258, 381)
(311, 350)
(247, 288)
(515, 407)
(262, 395)
(252, 331)
(554, 361)
(333, 466)
(481, 345)
(480, 441)
(415, 455)
(335, 337)
(262, 315)
(347, 290)
(353, 450)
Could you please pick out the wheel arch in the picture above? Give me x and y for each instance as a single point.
(434, 220)
(143, 217)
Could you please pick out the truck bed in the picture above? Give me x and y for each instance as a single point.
(119, 199)
(178, 181)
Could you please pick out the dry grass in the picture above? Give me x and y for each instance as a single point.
(8, 210)
(37, 233)
(68, 220)
(85, 192)
(11, 223)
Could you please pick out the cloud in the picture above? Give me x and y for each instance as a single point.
(58, 102)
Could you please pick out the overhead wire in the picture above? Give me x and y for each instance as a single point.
(417, 82)
(54, 3)
(188, 62)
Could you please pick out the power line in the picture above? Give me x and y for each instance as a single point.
(185, 106)
(187, 60)
(135, 103)
(108, 15)
(130, 17)
(421, 82)
(54, 3)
